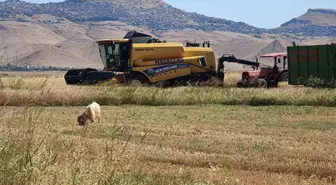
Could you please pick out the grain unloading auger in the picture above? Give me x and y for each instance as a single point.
(142, 58)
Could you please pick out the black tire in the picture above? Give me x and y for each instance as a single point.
(141, 78)
(240, 84)
(283, 77)
(135, 83)
(261, 83)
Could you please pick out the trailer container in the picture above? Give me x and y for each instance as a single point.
(314, 61)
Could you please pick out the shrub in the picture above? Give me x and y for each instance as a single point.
(315, 82)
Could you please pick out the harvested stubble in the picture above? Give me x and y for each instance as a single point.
(211, 144)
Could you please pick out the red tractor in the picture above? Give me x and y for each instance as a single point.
(267, 76)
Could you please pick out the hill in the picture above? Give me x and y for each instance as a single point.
(316, 22)
(63, 34)
(41, 41)
(158, 15)
(154, 14)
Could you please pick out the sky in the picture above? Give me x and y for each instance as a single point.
(259, 13)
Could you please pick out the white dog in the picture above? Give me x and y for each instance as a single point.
(91, 113)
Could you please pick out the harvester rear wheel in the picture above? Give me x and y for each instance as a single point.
(214, 81)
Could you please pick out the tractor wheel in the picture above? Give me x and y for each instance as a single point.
(283, 77)
(261, 83)
(240, 84)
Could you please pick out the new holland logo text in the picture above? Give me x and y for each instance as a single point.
(159, 70)
(169, 61)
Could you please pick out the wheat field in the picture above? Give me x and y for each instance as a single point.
(185, 135)
(52, 91)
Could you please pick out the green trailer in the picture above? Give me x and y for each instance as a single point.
(311, 62)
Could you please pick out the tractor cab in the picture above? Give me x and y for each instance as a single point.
(280, 59)
(279, 71)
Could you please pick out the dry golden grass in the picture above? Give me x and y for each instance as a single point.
(232, 78)
(194, 140)
(52, 91)
(209, 144)
(32, 74)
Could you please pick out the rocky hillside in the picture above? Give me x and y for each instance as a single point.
(63, 34)
(46, 40)
(154, 14)
(316, 22)
(158, 15)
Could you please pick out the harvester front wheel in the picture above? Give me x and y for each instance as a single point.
(139, 79)
(135, 83)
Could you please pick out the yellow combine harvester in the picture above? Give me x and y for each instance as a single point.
(140, 57)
